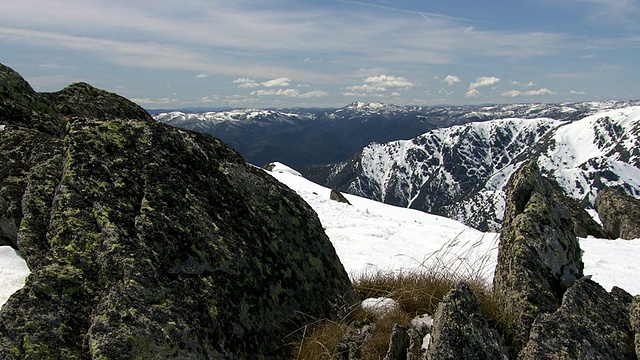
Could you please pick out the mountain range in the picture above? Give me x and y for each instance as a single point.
(460, 172)
(304, 137)
(457, 159)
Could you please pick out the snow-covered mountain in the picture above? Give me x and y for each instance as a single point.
(302, 137)
(460, 172)
(370, 236)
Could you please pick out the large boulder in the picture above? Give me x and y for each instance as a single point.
(590, 324)
(539, 256)
(146, 241)
(619, 213)
(460, 330)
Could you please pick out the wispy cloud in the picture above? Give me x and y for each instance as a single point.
(277, 82)
(451, 80)
(291, 93)
(518, 83)
(517, 93)
(378, 86)
(483, 81)
(245, 83)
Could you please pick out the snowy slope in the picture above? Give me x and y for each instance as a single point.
(371, 235)
(460, 171)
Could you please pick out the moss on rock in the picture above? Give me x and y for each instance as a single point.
(148, 241)
(539, 256)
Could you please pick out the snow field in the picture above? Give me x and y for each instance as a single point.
(372, 236)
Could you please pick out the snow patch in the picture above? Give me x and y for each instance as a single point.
(380, 306)
(13, 272)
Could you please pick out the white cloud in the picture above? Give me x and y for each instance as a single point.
(472, 93)
(313, 94)
(359, 94)
(246, 83)
(576, 92)
(517, 93)
(291, 93)
(384, 81)
(483, 81)
(277, 82)
(378, 85)
(539, 92)
(512, 93)
(451, 80)
(518, 83)
(203, 75)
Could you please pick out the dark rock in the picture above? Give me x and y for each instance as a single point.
(589, 324)
(635, 322)
(352, 345)
(619, 213)
(398, 343)
(621, 296)
(337, 196)
(148, 241)
(460, 330)
(539, 256)
(583, 223)
(414, 352)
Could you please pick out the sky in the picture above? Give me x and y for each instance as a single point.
(310, 53)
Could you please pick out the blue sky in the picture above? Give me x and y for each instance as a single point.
(249, 53)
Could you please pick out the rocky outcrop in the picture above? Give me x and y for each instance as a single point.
(148, 241)
(589, 324)
(619, 213)
(539, 256)
(460, 330)
(336, 195)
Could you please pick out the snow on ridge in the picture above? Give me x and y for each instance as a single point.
(372, 236)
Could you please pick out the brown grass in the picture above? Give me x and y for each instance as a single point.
(417, 292)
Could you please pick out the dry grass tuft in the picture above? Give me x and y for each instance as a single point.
(417, 292)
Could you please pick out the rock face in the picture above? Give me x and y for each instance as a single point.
(619, 213)
(539, 256)
(635, 322)
(589, 324)
(147, 241)
(460, 330)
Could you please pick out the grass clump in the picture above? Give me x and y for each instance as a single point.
(417, 292)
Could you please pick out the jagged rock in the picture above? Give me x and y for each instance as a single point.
(398, 343)
(414, 352)
(337, 196)
(145, 241)
(539, 256)
(635, 322)
(621, 296)
(460, 330)
(619, 213)
(583, 223)
(589, 324)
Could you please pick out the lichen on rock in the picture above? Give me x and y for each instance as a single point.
(145, 240)
(619, 213)
(539, 256)
(460, 330)
(589, 324)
